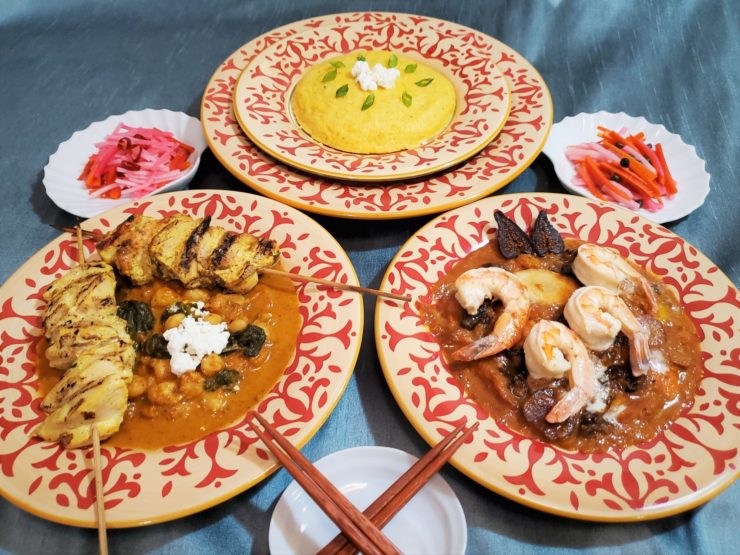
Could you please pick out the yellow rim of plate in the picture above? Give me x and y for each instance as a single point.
(369, 178)
(429, 436)
(240, 489)
(360, 215)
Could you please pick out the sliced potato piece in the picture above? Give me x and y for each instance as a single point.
(546, 287)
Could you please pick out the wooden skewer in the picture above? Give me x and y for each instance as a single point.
(334, 284)
(392, 500)
(99, 496)
(362, 533)
(298, 277)
(97, 467)
(80, 247)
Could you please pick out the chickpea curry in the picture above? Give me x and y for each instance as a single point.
(166, 409)
(626, 405)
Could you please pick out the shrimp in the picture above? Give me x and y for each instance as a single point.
(550, 351)
(597, 315)
(477, 285)
(595, 265)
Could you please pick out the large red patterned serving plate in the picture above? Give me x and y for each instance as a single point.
(263, 91)
(509, 154)
(693, 459)
(145, 487)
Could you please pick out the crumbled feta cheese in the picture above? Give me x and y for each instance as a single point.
(193, 339)
(369, 79)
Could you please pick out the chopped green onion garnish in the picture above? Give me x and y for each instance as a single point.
(368, 101)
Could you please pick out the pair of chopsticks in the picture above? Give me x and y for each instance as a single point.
(383, 509)
(290, 275)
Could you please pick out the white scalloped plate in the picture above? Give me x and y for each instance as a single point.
(66, 164)
(432, 522)
(686, 167)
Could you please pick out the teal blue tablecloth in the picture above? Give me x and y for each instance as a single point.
(66, 64)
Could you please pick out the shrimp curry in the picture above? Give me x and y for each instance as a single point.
(569, 383)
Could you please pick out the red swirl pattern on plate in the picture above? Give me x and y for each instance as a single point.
(693, 459)
(262, 97)
(509, 154)
(152, 486)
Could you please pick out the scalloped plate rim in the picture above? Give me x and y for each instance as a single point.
(25, 505)
(347, 176)
(690, 501)
(244, 177)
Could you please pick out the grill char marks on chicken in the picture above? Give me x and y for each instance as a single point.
(128, 245)
(89, 341)
(189, 250)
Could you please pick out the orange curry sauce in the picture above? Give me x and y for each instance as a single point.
(501, 386)
(151, 421)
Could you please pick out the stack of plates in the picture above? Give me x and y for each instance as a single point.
(504, 113)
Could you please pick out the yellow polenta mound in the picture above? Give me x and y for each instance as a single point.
(418, 107)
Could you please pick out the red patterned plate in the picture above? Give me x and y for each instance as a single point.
(263, 90)
(508, 155)
(695, 458)
(144, 487)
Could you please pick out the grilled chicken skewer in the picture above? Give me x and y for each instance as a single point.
(187, 249)
(90, 342)
(209, 256)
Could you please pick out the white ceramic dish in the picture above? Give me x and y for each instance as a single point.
(686, 167)
(432, 522)
(66, 164)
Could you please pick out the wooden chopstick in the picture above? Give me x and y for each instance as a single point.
(336, 284)
(296, 277)
(392, 500)
(357, 527)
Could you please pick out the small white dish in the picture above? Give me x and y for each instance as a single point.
(66, 164)
(684, 163)
(432, 522)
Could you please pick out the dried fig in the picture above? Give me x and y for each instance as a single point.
(545, 238)
(512, 241)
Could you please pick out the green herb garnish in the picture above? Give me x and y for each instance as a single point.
(342, 91)
(337, 64)
(411, 68)
(393, 60)
(369, 101)
(361, 58)
(424, 82)
(406, 98)
(331, 76)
